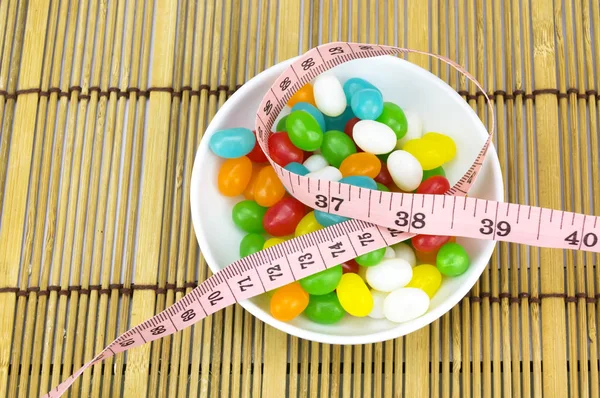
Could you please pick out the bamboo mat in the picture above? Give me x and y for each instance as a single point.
(103, 104)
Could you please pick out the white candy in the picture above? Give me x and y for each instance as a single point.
(389, 252)
(315, 162)
(405, 252)
(378, 300)
(374, 137)
(329, 95)
(415, 128)
(405, 169)
(405, 304)
(389, 274)
(329, 173)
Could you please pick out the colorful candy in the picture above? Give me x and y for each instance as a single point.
(389, 274)
(315, 162)
(393, 116)
(354, 295)
(248, 215)
(268, 188)
(405, 169)
(288, 302)
(324, 309)
(282, 150)
(322, 282)
(405, 304)
(346, 134)
(313, 111)
(427, 278)
(339, 122)
(337, 147)
(251, 244)
(378, 300)
(361, 164)
(257, 155)
(374, 137)
(307, 225)
(305, 94)
(329, 95)
(234, 176)
(367, 104)
(355, 84)
(304, 131)
(371, 258)
(282, 218)
(452, 259)
(232, 143)
(296, 168)
(328, 173)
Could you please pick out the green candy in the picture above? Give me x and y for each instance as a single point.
(248, 215)
(438, 171)
(381, 187)
(251, 244)
(393, 116)
(281, 124)
(336, 147)
(325, 309)
(370, 258)
(452, 259)
(304, 131)
(322, 282)
(384, 157)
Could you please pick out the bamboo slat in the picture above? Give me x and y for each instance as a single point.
(102, 108)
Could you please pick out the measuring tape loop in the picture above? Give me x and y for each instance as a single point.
(377, 218)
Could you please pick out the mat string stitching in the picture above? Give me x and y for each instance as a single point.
(120, 93)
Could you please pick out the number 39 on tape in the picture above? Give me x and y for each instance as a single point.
(378, 218)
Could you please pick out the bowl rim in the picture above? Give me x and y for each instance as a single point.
(367, 338)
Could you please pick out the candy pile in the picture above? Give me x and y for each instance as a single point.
(344, 133)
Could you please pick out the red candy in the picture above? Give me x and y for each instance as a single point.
(350, 266)
(434, 185)
(283, 217)
(256, 154)
(283, 151)
(384, 176)
(350, 126)
(428, 243)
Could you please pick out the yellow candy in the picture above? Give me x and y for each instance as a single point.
(429, 153)
(307, 225)
(446, 144)
(354, 295)
(427, 278)
(272, 242)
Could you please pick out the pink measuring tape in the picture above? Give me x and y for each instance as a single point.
(378, 218)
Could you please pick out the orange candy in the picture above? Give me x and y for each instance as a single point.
(234, 176)
(268, 189)
(288, 302)
(249, 191)
(361, 164)
(429, 258)
(305, 94)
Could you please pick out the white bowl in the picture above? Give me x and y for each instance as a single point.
(401, 82)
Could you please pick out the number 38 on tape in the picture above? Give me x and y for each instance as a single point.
(377, 218)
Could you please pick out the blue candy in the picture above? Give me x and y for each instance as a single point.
(327, 219)
(232, 143)
(360, 181)
(297, 168)
(339, 122)
(313, 111)
(367, 104)
(355, 84)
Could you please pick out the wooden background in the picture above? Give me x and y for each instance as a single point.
(103, 104)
